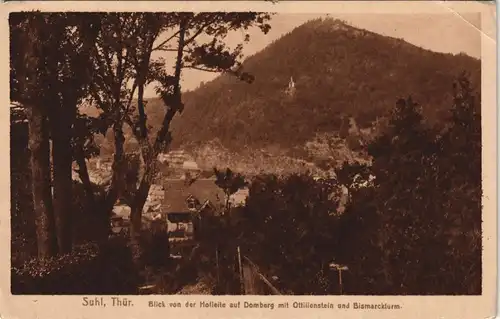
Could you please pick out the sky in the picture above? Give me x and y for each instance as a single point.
(440, 32)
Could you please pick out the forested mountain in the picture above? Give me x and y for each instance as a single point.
(324, 82)
(338, 71)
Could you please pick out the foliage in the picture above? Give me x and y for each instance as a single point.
(293, 217)
(88, 225)
(461, 188)
(414, 229)
(131, 39)
(418, 231)
(130, 177)
(249, 162)
(412, 223)
(156, 247)
(23, 231)
(50, 73)
(87, 270)
(329, 151)
(84, 131)
(229, 182)
(60, 59)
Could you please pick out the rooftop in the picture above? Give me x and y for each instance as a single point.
(177, 191)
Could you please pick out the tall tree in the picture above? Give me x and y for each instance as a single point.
(401, 162)
(23, 230)
(61, 71)
(197, 40)
(419, 228)
(68, 53)
(26, 72)
(123, 57)
(294, 217)
(230, 183)
(112, 64)
(459, 183)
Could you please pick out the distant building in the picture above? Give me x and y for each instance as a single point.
(291, 87)
(154, 200)
(190, 166)
(175, 158)
(199, 202)
(177, 164)
(181, 197)
(180, 226)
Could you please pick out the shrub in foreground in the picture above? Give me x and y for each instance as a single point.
(155, 246)
(89, 269)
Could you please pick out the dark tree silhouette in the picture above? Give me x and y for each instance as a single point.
(419, 229)
(49, 77)
(230, 183)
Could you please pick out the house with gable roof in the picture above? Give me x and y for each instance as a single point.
(185, 205)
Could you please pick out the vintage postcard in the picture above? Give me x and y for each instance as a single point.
(259, 159)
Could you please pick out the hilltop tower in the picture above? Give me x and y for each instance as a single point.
(291, 84)
(291, 87)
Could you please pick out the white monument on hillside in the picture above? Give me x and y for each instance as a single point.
(291, 87)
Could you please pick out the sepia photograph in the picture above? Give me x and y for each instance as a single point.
(246, 153)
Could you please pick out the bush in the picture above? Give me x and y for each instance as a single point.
(418, 232)
(294, 218)
(155, 247)
(89, 269)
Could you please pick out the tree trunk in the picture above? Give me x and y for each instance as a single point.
(63, 182)
(136, 218)
(150, 154)
(84, 174)
(137, 206)
(140, 108)
(42, 195)
(117, 181)
(98, 218)
(23, 229)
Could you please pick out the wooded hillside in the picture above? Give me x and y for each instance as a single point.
(339, 71)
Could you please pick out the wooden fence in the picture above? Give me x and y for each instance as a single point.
(241, 276)
(253, 282)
